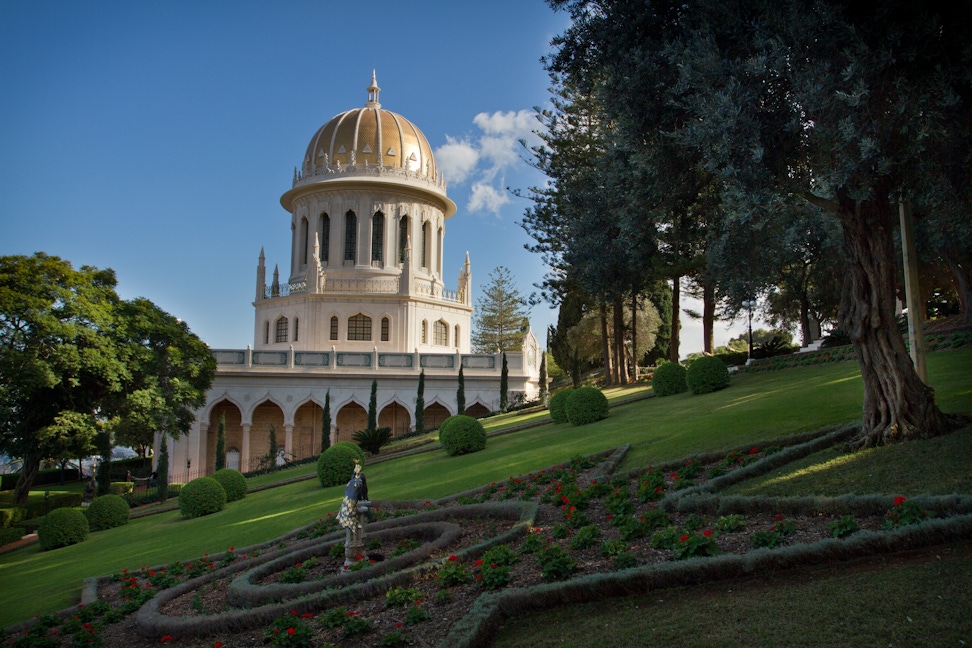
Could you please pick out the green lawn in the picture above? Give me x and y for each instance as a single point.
(754, 408)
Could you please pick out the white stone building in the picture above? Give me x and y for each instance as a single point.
(364, 300)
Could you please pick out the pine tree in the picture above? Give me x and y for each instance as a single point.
(162, 471)
(326, 423)
(501, 315)
(461, 393)
(575, 370)
(221, 443)
(504, 386)
(420, 405)
(373, 407)
(543, 378)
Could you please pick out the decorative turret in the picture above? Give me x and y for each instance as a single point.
(261, 282)
(275, 286)
(464, 291)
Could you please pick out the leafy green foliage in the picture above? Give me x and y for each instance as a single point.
(107, 512)
(707, 374)
(555, 563)
(586, 405)
(336, 464)
(669, 379)
(62, 527)
(843, 526)
(453, 573)
(461, 434)
(372, 439)
(558, 405)
(233, 482)
(500, 314)
(201, 496)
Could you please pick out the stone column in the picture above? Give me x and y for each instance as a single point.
(289, 439)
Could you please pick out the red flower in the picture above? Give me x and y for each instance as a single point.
(218, 644)
(166, 638)
(359, 557)
(478, 562)
(293, 613)
(231, 548)
(290, 631)
(398, 624)
(779, 517)
(684, 538)
(453, 558)
(754, 451)
(307, 615)
(899, 500)
(707, 533)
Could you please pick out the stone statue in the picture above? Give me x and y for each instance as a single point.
(353, 507)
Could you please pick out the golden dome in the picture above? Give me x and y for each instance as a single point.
(370, 136)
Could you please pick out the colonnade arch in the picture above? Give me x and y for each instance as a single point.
(477, 410)
(350, 419)
(395, 416)
(434, 415)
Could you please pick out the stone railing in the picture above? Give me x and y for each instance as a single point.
(285, 290)
(336, 360)
(435, 291)
(320, 172)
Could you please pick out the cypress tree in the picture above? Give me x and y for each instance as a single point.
(504, 386)
(162, 471)
(461, 393)
(420, 405)
(543, 378)
(221, 443)
(373, 407)
(575, 371)
(326, 423)
(272, 455)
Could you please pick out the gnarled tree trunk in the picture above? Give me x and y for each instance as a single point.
(28, 473)
(897, 405)
(676, 320)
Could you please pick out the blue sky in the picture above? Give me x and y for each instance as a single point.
(156, 138)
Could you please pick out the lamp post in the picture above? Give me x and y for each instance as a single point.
(749, 304)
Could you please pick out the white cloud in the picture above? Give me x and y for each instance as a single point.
(485, 197)
(456, 159)
(482, 159)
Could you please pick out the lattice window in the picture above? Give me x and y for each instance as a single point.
(350, 237)
(377, 238)
(359, 327)
(325, 237)
(281, 330)
(425, 332)
(384, 329)
(440, 334)
(334, 328)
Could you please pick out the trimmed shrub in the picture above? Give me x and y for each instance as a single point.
(586, 405)
(669, 379)
(707, 374)
(461, 434)
(62, 527)
(233, 482)
(107, 512)
(201, 496)
(11, 516)
(336, 464)
(121, 488)
(558, 405)
(10, 535)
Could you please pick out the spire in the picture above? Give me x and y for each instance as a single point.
(373, 91)
(261, 282)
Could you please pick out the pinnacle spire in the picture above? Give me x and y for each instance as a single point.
(373, 91)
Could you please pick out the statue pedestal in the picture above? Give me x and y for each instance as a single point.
(352, 550)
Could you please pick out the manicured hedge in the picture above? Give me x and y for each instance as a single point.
(201, 496)
(586, 405)
(336, 464)
(44, 477)
(461, 434)
(107, 512)
(62, 527)
(558, 405)
(707, 374)
(233, 482)
(669, 379)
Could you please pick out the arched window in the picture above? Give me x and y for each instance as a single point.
(266, 332)
(334, 327)
(296, 328)
(403, 223)
(359, 327)
(426, 247)
(440, 334)
(384, 329)
(455, 340)
(350, 238)
(325, 237)
(439, 250)
(377, 239)
(281, 330)
(425, 332)
(303, 242)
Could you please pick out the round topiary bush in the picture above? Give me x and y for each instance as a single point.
(669, 379)
(233, 482)
(461, 434)
(107, 512)
(201, 496)
(558, 405)
(62, 527)
(586, 405)
(336, 464)
(707, 374)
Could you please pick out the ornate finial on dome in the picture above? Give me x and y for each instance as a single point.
(373, 91)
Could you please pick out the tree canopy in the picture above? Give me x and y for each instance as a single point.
(75, 358)
(501, 315)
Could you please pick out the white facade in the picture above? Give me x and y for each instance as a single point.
(364, 301)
